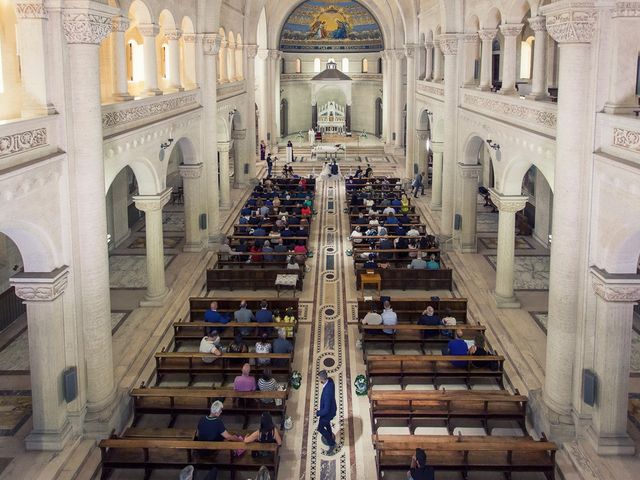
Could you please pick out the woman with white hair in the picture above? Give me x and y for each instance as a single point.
(211, 427)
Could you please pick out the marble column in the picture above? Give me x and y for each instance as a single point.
(173, 39)
(572, 25)
(223, 76)
(507, 205)
(469, 175)
(189, 79)
(149, 32)
(470, 42)
(386, 97)
(421, 151)
(152, 205)
(436, 176)
(449, 47)
(411, 159)
(119, 26)
(120, 196)
(398, 86)
(249, 144)
(231, 62)
(486, 67)
(239, 158)
(191, 182)
(616, 295)
(273, 112)
(223, 158)
(32, 35)
(544, 199)
(539, 80)
(211, 46)
(263, 100)
(428, 74)
(43, 296)
(84, 29)
(510, 32)
(437, 61)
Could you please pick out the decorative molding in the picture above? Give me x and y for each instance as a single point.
(224, 147)
(23, 141)
(571, 21)
(211, 43)
(82, 27)
(40, 287)
(148, 29)
(615, 287)
(623, 138)
(626, 9)
(32, 10)
(189, 37)
(449, 43)
(174, 34)
(398, 53)
(410, 49)
(152, 203)
(274, 54)
(191, 171)
(508, 203)
(430, 89)
(120, 24)
(522, 112)
(141, 112)
(469, 171)
(511, 29)
(470, 38)
(488, 35)
(428, 45)
(538, 24)
(252, 50)
(31, 180)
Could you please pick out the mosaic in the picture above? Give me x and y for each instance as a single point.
(141, 242)
(15, 409)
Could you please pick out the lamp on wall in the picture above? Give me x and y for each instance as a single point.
(166, 144)
(492, 144)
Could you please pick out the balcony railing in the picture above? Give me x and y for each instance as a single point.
(619, 136)
(24, 140)
(430, 89)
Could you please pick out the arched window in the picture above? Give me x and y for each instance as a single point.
(365, 65)
(316, 65)
(380, 65)
(135, 62)
(164, 61)
(526, 58)
(345, 65)
(298, 65)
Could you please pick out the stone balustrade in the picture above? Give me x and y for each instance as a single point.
(24, 140)
(619, 136)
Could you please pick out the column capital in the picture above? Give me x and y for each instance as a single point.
(88, 23)
(410, 49)
(437, 147)
(488, 34)
(263, 53)
(41, 287)
(274, 54)
(224, 147)
(508, 203)
(148, 29)
(428, 44)
(398, 53)
(615, 287)
(469, 171)
(151, 203)
(570, 21)
(190, 171)
(252, 50)
(173, 34)
(470, 37)
(189, 37)
(626, 9)
(538, 24)
(31, 10)
(422, 134)
(211, 43)
(448, 43)
(120, 24)
(511, 29)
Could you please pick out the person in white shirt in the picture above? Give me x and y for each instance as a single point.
(374, 222)
(209, 344)
(293, 265)
(368, 202)
(372, 318)
(356, 235)
(413, 232)
(389, 211)
(389, 317)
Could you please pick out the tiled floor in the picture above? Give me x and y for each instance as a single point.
(531, 272)
(130, 271)
(15, 356)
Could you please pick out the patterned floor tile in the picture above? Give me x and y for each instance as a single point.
(15, 409)
(130, 271)
(531, 272)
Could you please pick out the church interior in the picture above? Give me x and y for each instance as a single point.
(319, 239)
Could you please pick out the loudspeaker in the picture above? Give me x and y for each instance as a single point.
(70, 384)
(457, 222)
(415, 168)
(589, 387)
(246, 168)
(203, 221)
(393, 136)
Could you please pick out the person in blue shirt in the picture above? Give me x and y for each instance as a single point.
(429, 317)
(432, 264)
(327, 412)
(457, 346)
(264, 315)
(396, 202)
(213, 316)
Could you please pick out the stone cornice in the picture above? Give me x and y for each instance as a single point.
(120, 24)
(191, 171)
(152, 203)
(449, 43)
(40, 287)
(511, 29)
(148, 29)
(31, 10)
(224, 147)
(211, 43)
(174, 34)
(488, 34)
(626, 9)
(538, 24)
(23, 141)
(148, 109)
(89, 23)
(571, 21)
(470, 37)
(508, 203)
(623, 288)
(469, 171)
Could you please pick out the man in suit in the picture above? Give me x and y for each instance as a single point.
(327, 411)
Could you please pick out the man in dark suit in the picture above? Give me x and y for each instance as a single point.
(327, 411)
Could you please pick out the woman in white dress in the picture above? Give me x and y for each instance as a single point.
(289, 151)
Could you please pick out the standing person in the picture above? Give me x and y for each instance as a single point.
(263, 149)
(289, 151)
(269, 165)
(327, 412)
(419, 469)
(417, 184)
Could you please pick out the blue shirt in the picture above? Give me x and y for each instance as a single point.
(458, 347)
(433, 265)
(264, 316)
(214, 317)
(396, 203)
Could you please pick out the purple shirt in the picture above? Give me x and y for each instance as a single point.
(244, 383)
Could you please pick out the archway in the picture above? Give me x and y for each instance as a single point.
(11, 307)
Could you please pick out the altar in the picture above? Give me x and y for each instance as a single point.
(329, 151)
(332, 119)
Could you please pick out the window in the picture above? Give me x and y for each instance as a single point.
(526, 56)
(345, 65)
(316, 65)
(135, 62)
(1, 68)
(365, 65)
(165, 60)
(298, 66)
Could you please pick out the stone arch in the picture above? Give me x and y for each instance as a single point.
(223, 127)
(517, 10)
(621, 251)
(472, 24)
(424, 123)
(492, 19)
(188, 150)
(36, 247)
(140, 12)
(515, 170)
(148, 178)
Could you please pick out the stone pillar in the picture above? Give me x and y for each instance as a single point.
(32, 35)
(149, 32)
(223, 75)
(250, 141)
(239, 158)
(572, 25)
(398, 86)
(437, 61)
(173, 75)
(508, 205)
(539, 80)
(436, 176)
(510, 32)
(386, 97)
(191, 182)
(421, 151)
(223, 158)
(263, 97)
(119, 26)
(428, 74)
(469, 182)
(43, 295)
(189, 61)
(616, 295)
(486, 66)
(84, 29)
(411, 158)
(470, 41)
(274, 103)
(231, 62)
(152, 205)
(544, 199)
(211, 46)
(449, 46)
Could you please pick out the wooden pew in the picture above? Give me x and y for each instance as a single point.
(403, 278)
(225, 365)
(199, 305)
(467, 453)
(248, 278)
(194, 331)
(174, 454)
(410, 309)
(197, 401)
(361, 208)
(447, 405)
(433, 367)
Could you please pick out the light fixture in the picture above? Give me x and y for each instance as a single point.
(167, 144)
(492, 144)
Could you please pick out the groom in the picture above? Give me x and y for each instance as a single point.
(327, 411)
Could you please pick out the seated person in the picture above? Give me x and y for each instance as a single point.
(372, 318)
(266, 250)
(264, 315)
(361, 220)
(304, 210)
(478, 350)
(419, 469)
(448, 320)
(356, 235)
(413, 232)
(373, 221)
(211, 428)
(418, 263)
(402, 243)
(267, 433)
(371, 262)
(386, 244)
(428, 317)
(432, 264)
(389, 211)
(266, 383)
(280, 248)
(210, 344)
(243, 315)
(213, 316)
(237, 345)
(281, 345)
(457, 346)
(263, 346)
(389, 317)
(292, 264)
(255, 252)
(245, 382)
(301, 251)
(396, 203)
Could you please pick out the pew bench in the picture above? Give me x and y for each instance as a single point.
(248, 278)
(433, 367)
(404, 278)
(411, 308)
(199, 305)
(194, 331)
